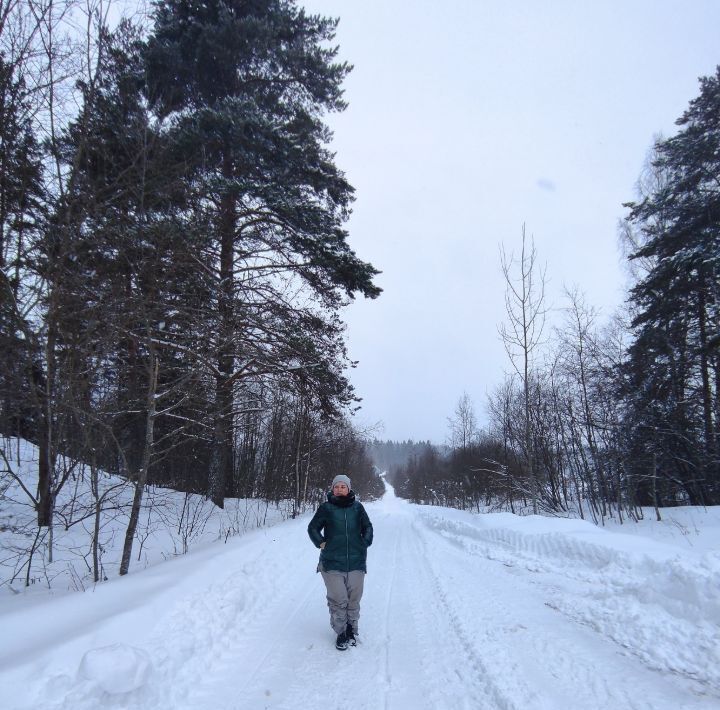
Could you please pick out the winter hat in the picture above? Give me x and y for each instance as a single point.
(341, 478)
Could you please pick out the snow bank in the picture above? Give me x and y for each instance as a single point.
(656, 600)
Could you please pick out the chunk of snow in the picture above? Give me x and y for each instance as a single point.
(116, 669)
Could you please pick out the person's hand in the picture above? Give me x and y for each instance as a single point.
(322, 545)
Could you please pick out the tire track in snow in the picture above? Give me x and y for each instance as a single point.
(388, 614)
(276, 639)
(364, 677)
(566, 663)
(409, 659)
(249, 672)
(660, 606)
(485, 692)
(519, 658)
(232, 628)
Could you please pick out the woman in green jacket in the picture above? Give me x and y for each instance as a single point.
(342, 530)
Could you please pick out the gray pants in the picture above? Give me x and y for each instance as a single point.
(344, 592)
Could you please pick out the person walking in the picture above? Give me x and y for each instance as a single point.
(342, 530)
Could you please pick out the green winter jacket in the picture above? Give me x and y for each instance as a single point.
(343, 525)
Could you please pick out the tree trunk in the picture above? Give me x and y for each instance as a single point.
(654, 483)
(705, 374)
(44, 498)
(298, 459)
(95, 487)
(221, 465)
(142, 473)
(46, 461)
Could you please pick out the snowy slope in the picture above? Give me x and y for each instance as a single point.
(460, 611)
(170, 523)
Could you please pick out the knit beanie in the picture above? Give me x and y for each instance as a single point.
(341, 478)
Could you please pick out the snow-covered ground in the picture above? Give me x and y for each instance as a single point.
(170, 524)
(460, 611)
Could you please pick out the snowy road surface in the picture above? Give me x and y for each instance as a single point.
(457, 614)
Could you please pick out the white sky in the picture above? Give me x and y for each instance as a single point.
(467, 119)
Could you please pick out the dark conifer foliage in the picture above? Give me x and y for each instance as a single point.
(242, 88)
(22, 200)
(174, 257)
(673, 370)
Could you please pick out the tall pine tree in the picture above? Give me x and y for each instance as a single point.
(674, 363)
(243, 87)
(22, 211)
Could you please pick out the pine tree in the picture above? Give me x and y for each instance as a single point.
(674, 363)
(243, 87)
(22, 212)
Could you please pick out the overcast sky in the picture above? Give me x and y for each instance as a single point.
(468, 119)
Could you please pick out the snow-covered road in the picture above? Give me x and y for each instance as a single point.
(454, 616)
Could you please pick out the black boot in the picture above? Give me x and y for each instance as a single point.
(350, 635)
(342, 642)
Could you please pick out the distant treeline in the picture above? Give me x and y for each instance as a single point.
(387, 455)
(465, 477)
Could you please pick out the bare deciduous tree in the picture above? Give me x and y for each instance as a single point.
(463, 424)
(522, 332)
